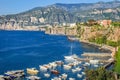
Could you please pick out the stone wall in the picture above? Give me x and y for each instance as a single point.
(61, 31)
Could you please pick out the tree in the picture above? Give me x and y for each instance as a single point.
(99, 74)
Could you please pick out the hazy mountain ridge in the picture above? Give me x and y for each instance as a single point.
(69, 13)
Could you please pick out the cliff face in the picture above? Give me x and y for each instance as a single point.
(62, 31)
(112, 34)
(115, 35)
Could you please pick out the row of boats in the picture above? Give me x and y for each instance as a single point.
(50, 71)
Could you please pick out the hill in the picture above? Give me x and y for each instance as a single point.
(67, 13)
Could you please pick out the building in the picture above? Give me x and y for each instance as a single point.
(105, 23)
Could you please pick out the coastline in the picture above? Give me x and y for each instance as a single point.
(104, 47)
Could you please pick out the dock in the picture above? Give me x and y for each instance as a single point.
(88, 59)
(109, 64)
(96, 54)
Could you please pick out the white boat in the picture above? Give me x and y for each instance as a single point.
(33, 78)
(87, 64)
(74, 70)
(43, 68)
(64, 76)
(59, 63)
(56, 78)
(47, 66)
(71, 57)
(71, 78)
(53, 65)
(78, 69)
(74, 56)
(67, 67)
(76, 63)
(68, 57)
(47, 75)
(79, 75)
(83, 73)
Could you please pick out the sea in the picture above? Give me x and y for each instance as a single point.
(27, 49)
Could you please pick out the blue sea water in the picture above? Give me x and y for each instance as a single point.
(27, 49)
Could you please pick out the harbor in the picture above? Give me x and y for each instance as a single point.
(58, 59)
(57, 70)
(73, 67)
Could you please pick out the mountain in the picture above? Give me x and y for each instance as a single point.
(70, 13)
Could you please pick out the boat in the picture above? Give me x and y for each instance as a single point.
(56, 78)
(74, 70)
(64, 76)
(33, 78)
(56, 72)
(72, 57)
(47, 75)
(78, 69)
(47, 66)
(76, 63)
(72, 38)
(71, 78)
(32, 71)
(79, 75)
(53, 65)
(67, 67)
(2, 77)
(59, 63)
(43, 68)
(15, 74)
(83, 73)
(87, 64)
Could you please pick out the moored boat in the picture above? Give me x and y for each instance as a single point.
(47, 75)
(56, 72)
(79, 75)
(43, 68)
(32, 71)
(67, 67)
(33, 78)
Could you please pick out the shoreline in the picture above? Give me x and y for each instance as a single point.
(102, 47)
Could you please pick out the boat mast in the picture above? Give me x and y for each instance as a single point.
(71, 49)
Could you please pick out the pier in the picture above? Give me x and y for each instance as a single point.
(88, 59)
(96, 54)
(109, 64)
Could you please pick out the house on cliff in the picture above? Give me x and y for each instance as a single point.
(104, 23)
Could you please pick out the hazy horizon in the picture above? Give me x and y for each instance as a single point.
(14, 7)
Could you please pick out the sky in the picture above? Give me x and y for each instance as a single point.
(17, 6)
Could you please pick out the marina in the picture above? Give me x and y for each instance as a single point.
(57, 70)
(53, 57)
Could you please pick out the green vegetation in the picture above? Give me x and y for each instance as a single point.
(112, 43)
(99, 74)
(99, 40)
(80, 30)
(116, 24)
(117, 64)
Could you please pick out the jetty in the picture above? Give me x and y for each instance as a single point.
(96, 54)
(109, 64)
(88, 59)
